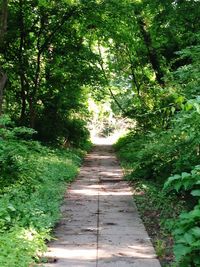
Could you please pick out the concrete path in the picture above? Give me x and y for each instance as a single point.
(100, 225)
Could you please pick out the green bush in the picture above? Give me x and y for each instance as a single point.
(77, 134)
(186, 229)
(32, 184)
(157, 154)
(74, 132)
(21, 247)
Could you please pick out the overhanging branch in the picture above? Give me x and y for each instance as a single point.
(107, 82)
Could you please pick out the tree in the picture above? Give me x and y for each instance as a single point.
(53, 53)
(3, 29)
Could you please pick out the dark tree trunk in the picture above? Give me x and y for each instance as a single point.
(21, 64)
(3, 79)
(34, 93)
(3, 28)
(23, 100)
(152, 54)
(32, 114)
(3, 19)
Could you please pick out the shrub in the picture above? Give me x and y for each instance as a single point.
(33, 179)
(186, 229)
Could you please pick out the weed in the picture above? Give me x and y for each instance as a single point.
(160, 248)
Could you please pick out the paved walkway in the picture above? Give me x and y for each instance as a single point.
(100, 225)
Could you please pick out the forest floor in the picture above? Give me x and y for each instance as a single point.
(100, 225)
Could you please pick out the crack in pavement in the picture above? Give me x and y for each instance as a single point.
(100, 224)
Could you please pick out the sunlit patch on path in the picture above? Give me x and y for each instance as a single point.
(100, 224)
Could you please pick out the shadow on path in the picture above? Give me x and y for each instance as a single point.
(100, 225)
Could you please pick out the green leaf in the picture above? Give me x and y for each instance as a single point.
(195, 213)
(173, 110)
(177, 186)
(181, 250)
(179, 231)
(197, 106)
(189, 238)
(8, 219)
(187, 184)
(174, 177)
(188, 106)
(43, 3)
(196, 246)
(197, 167)
(185, 175)
(170, 180)
(195, 193)
(180, 99)
(11, 207)
(196, 231)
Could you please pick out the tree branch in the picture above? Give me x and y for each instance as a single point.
(137, 85)
(70, 13)
(107, 81)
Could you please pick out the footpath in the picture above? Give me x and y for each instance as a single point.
(100, 225)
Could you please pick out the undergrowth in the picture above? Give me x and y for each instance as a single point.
(163, 168)
(157, 210)
(33, 180)
(167, 158)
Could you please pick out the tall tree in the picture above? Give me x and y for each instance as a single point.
(3, 28)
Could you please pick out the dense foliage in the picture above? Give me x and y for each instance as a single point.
(174, 152)
(32, 179)
(48, 69)
(140, 56)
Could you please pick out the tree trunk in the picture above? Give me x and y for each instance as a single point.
(3, 28)
(34, 93)
(23, 81)
(3, 19)
(23, 100)
(152, 54)
(3, 79)
(32, 114)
